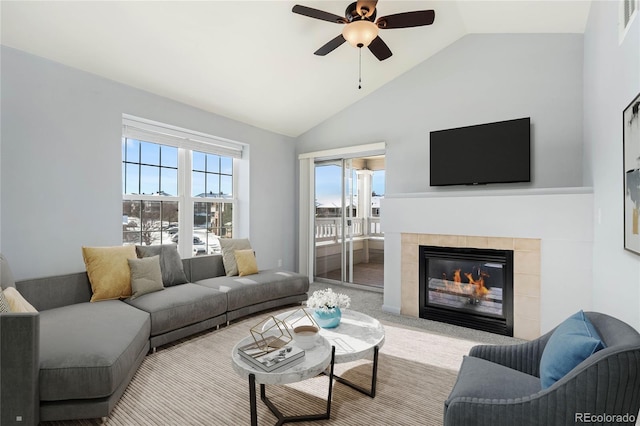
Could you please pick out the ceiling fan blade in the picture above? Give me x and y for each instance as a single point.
(380, 49)
(318, 14)
(365, 8)
(407, 19)
(330, 46)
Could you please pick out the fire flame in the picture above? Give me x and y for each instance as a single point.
(474, 287)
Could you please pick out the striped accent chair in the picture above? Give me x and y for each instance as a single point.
(500, 385)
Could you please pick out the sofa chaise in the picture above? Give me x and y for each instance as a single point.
(74, 358)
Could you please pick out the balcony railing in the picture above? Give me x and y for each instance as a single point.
(330, 229)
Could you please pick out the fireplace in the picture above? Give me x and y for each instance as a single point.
(469, 287)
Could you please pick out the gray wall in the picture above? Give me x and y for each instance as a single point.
(478, 79)
(61, 166)
(611, 82)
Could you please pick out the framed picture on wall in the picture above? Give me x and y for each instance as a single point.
(631, 153)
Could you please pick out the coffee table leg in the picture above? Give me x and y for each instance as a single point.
(289, 419)
(374, 378)
(252, 400)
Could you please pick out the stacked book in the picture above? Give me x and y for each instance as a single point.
(272, 355)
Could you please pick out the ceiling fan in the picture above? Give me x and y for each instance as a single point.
(361, 28)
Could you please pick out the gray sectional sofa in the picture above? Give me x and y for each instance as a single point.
(74, 358)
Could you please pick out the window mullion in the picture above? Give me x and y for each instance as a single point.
(185, 214)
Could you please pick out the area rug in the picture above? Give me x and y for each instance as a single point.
(192, 383)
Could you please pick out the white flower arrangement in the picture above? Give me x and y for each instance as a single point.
(327, 300)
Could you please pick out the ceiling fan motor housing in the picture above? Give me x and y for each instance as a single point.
(351, 13)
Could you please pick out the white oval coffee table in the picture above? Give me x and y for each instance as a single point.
(357, 336)
(316, 361)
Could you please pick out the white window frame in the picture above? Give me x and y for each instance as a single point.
(188, 141)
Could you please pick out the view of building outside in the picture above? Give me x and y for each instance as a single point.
(329, 191)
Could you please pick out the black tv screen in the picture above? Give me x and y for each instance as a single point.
(485, 153)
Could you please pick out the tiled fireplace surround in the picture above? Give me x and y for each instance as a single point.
(526, 274)
(550, 231)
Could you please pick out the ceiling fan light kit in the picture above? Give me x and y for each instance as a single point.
(361, 27)
(360, 33)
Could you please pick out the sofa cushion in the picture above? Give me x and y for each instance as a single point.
(170, 262)
(146, 276)
(264, 286)
(573, 341)
(229, 246)
(181, 305)
(88, 349)
(246, 261)
(479, 378)
(108, 271)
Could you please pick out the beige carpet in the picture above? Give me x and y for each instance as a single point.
(193, 383)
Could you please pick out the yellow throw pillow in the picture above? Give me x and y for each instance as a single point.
(17, 303)
(246, 261)
(108, 270)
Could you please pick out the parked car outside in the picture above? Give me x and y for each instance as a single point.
(199, 246)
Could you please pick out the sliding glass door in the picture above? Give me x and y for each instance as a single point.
(347, 233)
(333, 218)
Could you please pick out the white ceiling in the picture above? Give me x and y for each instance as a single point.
(253, 61)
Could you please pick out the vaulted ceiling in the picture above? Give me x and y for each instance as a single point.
(253, 61)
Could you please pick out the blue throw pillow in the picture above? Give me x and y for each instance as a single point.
(572, 342)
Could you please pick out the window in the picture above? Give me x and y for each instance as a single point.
(149, 168)
(149, 222)
(175, 184)
(212, 179)
(377, 191)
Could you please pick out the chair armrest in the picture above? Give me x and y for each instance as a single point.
(19, 368)
(524, 357)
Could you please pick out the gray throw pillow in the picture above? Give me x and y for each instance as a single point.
(229, 247)
(170, 262)
(146, 276)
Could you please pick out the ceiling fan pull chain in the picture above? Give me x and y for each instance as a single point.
(360, 69)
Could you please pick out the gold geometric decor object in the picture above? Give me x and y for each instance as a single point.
(270, 334)
(299, 317)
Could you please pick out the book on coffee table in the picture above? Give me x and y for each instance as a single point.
(278, 359)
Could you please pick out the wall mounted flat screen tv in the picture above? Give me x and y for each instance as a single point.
(486, 153)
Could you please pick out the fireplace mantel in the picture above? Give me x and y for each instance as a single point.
(557, 221)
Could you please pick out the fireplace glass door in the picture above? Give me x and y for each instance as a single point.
(467, 287)
(474, 286)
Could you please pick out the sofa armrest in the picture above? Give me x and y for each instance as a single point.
(19, 368)
(524, 357)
